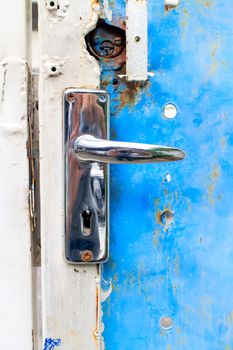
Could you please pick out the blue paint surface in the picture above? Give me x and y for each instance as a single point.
(185, 269)
(50, 343)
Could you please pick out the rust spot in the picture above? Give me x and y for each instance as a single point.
(95, 2)
(130, 94)
(206, 3)
(170, 7)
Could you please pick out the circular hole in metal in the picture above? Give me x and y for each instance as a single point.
(53, 69)
(106, 41)
(166, 322)
(167, 217)
(115, 82)
(170, 111)
(52, 3)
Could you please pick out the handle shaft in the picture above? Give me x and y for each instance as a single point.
(88, 148)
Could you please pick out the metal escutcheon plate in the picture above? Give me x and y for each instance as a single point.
(86, 183)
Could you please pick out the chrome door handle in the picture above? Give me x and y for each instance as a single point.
(86, 152)
(88, 148)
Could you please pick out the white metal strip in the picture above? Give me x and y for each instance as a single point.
(15, 256)
(69, 293)
(136, 40)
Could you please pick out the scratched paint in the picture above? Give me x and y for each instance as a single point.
(50, 343)
(185, 270)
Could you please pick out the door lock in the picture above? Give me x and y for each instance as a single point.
(87, 155)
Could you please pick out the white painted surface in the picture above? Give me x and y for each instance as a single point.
(15, 257)
(172, 3)
(136, 40)
(69, 293)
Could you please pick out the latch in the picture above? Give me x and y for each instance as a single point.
(87, 155)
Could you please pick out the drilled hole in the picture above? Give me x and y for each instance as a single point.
(53, 69)
(167, 217)
(166, 322)
(52, 3)
(115, 82)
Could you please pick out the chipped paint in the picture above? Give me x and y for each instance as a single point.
(107, 11)
(171, 4)
(58, 12)
(51, 344)
(213, 180)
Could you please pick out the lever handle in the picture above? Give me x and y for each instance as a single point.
(88, 148)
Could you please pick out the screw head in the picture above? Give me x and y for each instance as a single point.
(70, 97)
(102, 98)
(87, 255)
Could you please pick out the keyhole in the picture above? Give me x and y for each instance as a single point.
(86, 215)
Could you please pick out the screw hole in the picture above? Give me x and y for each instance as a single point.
(137, 38)
(53, 69)
(166, 322)
(52, 3)
(167, 217)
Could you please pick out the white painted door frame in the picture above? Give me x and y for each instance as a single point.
(15, 255)
(69, 293)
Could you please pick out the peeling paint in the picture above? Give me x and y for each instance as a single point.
(107, 10)
(171, 4)
(214, 177)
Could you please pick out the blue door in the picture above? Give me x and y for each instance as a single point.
(169, 280)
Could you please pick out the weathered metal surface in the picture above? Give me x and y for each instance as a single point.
(168, 284)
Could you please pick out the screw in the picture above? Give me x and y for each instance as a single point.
(70, 97)
(87, 255)
(102, 98)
